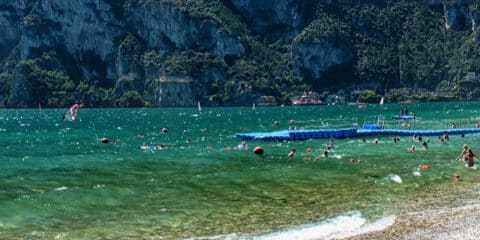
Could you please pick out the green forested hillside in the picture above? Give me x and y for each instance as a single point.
(234, 51)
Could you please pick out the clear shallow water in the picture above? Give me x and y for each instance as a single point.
(59, 181)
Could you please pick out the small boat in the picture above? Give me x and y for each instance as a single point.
(404, 116)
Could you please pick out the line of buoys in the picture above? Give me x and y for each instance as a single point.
(104, 140)
(351, 160)
(258, 150)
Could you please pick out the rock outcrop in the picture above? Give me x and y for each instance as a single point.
(11, 20)
(275, 19)
(312, 59)
(85, 29)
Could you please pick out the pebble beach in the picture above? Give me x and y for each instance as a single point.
(455, 215)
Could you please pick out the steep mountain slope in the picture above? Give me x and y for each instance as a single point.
(228, 52)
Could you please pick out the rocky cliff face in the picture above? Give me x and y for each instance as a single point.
(11, 18)
(85, 29)
(312, 59)
(165, 27)
(108, 41)
(275, 19)
(89, 32)
(460, 18)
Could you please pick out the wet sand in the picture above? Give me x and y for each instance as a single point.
(456, 215)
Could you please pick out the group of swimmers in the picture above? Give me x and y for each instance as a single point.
(466, 154)
(330, 145)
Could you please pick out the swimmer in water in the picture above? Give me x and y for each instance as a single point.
(469, 157)
(412, 148)
(291, 154)
(242, 146)
(325, 154)
(424, 145)
(463, 154)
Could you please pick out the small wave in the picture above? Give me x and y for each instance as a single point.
(61, 188)
(223, 237)
(395, 178)
(333, 228)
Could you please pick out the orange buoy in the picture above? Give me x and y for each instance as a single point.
(104, 140)
(424, 166)
(359, 161)
(456, 176)
(309, 150)
(317, 158)
(164, 130)
(258, 150)
(352, 160)
(228, 148)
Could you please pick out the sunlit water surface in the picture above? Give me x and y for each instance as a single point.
(58, 181)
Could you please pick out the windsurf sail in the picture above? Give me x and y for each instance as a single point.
(71, 113)
(199, 106)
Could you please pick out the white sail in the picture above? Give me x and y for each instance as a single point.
(199, 107)
(381, 100)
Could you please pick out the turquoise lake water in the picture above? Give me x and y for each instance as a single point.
(58, 181)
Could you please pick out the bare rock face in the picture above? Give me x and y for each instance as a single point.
(164, 26)
(11, 18)
(85, 29)
(310, 60)
(276, 19)
(460, 18)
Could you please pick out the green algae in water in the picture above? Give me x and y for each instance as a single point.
(59, 181)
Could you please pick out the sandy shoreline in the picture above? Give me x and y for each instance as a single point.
(455, 215)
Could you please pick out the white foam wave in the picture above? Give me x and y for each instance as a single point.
(61, 188)
(223, 237)
(339, 227)
(395, 178)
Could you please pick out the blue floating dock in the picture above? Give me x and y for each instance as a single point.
(404, 117)
(366, 130)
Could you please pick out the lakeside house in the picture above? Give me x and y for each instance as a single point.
(310, 98)
(266, 101)
(471, 76)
